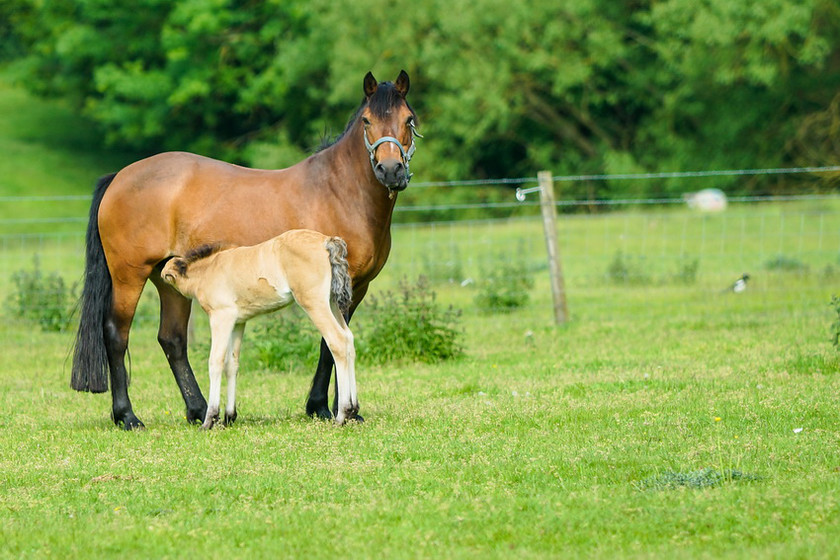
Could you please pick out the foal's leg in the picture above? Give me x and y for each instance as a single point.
(222, 324)
(340, 344)
(172, 336)
(231, 369)
(317, 403)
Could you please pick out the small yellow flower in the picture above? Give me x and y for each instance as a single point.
(717, 419)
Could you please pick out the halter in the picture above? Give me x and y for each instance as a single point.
(405, 154)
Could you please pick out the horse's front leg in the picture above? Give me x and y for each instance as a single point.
(317, 404)
(172, 336)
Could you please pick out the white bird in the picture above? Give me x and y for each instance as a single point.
(740, 284)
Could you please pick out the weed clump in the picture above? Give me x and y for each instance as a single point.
(505, 287)
(622, 270)
(283, 338)
(835, 326)
(703, 478)
(44, 299)
(782, 263)
(409, 325)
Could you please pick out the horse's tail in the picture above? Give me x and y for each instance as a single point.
(90, 359)
(342, 285)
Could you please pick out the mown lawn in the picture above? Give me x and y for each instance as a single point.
(539, 442)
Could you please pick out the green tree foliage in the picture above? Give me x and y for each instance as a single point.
(502, 89)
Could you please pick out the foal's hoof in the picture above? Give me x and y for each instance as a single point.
(230, 418)
(208, 424)
(351, 415)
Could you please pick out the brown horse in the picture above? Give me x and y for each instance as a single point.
(171, 203)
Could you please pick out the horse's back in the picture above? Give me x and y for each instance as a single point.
(169, 203)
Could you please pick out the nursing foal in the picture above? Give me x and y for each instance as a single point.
(234, 285)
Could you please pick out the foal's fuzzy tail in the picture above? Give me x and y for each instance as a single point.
(90, 359)
(342, 286)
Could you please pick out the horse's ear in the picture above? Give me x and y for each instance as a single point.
(370, 85)
(402, 84)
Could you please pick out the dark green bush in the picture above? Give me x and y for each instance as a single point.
(41, 298)
(408, 325)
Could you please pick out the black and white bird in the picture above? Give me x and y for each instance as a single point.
(739, 285)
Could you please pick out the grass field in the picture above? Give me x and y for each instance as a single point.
(597, 439)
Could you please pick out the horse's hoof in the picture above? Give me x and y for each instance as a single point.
(196, 415)
(130, 422)
(322, 411)
(230, 418)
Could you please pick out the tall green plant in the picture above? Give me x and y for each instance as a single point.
(409, 325)
(43, 299)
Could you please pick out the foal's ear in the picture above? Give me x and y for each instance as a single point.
(370, 85)
(173, 270)
(402, 84)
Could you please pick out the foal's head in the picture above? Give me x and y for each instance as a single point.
(389, 129)
(174, 272)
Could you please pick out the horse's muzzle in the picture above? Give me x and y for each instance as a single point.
(392, 174)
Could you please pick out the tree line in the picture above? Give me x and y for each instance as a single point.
(502, 88)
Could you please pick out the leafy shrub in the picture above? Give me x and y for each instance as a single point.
(276, 341)
(687, 273)
(781, 263)
(505, 287)
(627, 271)
(43, 299)
(835, 326)
(408, 325)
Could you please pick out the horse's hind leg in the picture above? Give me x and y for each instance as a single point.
(172, 336)
(115, 330)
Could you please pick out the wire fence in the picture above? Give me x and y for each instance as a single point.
(645, 257)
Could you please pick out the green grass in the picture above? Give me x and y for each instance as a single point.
(541, 442)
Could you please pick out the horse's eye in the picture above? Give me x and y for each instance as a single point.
(366, 121)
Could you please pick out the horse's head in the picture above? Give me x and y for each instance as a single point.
(389, 130)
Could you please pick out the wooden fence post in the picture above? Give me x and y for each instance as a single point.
(549, 216)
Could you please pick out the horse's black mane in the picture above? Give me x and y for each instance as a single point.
(201, 252)
(383, 100)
